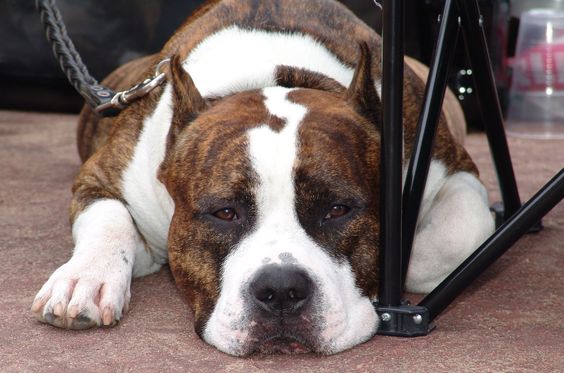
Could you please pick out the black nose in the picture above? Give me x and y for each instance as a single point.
(281, 290)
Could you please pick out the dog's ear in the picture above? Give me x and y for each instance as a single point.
(187, 101)
(361, 93)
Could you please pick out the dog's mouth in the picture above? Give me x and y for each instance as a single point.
(281, 344)
(285, 336)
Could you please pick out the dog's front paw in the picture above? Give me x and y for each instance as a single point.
(81, 294)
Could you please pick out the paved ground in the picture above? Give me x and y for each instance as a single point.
(509, 321)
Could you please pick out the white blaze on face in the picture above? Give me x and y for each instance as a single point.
(345, 317)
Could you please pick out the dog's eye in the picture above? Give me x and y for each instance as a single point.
(336, 211)
(227, 214)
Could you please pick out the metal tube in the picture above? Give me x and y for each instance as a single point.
(477, 49)
(530, 213)
(416, 176)
(391, 153)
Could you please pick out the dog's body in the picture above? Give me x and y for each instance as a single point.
(256, 178)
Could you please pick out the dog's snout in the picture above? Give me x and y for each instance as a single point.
(281, 290)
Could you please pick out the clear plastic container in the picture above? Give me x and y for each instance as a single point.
(536, 98)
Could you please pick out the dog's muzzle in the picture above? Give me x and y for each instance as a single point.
(281, 298)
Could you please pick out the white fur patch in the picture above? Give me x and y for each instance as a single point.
(454, 220)
(435, 180)
(234, 60)
(148, 200)
(348, 318)
(104, 229)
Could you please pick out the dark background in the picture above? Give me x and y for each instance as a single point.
(108, 33)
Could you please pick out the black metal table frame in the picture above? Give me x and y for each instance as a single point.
(399, 210)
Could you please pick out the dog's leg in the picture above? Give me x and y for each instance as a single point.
(457, 221)
(93, 287)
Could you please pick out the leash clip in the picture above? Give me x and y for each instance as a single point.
(123, 98)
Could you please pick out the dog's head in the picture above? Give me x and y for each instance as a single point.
(274, 238)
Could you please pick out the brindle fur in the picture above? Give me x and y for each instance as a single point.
(208, 140)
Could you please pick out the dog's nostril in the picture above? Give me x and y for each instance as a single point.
(281, 289)
(298, 294)
(265, 295)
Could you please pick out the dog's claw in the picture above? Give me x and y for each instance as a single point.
(107, 317)
(37, 305)
(81, 321)
(58, 310)
(73, 312)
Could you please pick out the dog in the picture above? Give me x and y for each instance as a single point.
(254, 173)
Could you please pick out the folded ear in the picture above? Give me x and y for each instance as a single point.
(187, 101)
(361, 93)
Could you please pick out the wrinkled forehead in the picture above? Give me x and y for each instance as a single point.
(280, 131)
(336, 143)
(324, 145)
(315, 125)
(302, 112)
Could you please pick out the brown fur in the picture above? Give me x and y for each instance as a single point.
(187, 101)
(329, 171)
(361, 92)
(291, 77)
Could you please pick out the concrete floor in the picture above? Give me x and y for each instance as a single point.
(510, 320)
